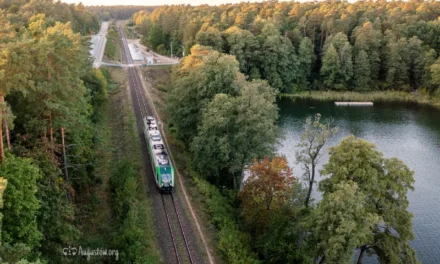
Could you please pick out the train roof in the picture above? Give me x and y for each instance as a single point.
(158, 147)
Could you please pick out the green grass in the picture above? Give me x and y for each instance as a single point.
(375, 96)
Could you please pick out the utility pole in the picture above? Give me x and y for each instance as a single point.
(64, 155)
(171, 49)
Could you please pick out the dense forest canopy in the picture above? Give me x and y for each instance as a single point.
(19, 13)
(48, 99)
(118, 12)
(332, 45)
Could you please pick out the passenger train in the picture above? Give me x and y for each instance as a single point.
(160, 161)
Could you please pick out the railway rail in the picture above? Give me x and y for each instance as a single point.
(177, 233)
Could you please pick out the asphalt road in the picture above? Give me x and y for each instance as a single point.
(99, 41)
(141, 109)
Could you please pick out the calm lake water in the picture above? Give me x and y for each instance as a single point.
(408, 132)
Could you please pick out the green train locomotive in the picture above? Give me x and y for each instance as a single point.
(162, 168)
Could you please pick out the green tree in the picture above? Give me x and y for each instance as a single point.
(198, 79)
(342, 223)
(384, 183)
(429, 58)
(20, 202)
(395, 58)
(362, 72)
(212, 146)
(56, 214)
(15, 72)
(234, 131)
(313, 140)
(245, 47)
(3, 184)
(331, 65)
(210, 37)
(279, 63)
(306, 57)
(369, 38)
(344, 49)
(256, 133)
(156, 36)
(435, 74)
(416, 62)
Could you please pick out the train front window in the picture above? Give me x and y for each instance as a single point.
(165, 172)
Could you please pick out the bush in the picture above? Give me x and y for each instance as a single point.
(133, 235)
(234, 244)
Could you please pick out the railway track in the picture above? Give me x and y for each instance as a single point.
(179, 238)
(182, 252)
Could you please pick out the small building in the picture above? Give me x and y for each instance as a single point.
(149, 60)
(134, 52)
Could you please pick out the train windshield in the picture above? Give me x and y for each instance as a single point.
(165, 172)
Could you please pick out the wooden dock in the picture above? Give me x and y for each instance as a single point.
(354, 103)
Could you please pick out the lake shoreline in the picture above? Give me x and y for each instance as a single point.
(407, 131)
(376, 96)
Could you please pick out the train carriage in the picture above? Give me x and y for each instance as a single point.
(160, 161)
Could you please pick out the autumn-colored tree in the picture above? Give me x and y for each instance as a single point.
(265, 191)
(361, 24)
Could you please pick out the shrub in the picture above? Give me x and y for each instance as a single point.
(234, 244)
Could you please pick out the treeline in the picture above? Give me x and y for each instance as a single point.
(124, 12)
(48, 99)
(330, 45)
(228, 125)
(20, 12)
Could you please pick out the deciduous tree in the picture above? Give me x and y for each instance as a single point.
(245, 46)
(279, 63)
(210, 37)
(342, 223)
(266, 191)
(384, 183)
(313, 139)
(20, 202)
(199, 78)
(234, 131)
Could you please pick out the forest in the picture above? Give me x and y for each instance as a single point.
(49, 101)
(221, 103)
(222, 111)
(122, 12)
(329, 45)
(227, 129)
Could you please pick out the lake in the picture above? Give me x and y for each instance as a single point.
(408, 132)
